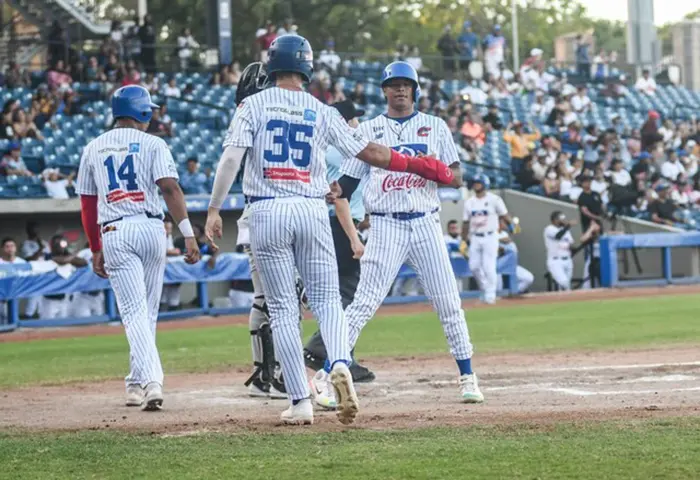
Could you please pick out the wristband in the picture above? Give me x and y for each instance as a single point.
(186, 228)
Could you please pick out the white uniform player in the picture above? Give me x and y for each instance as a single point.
(482, 215)
(558, 242)
(87, 304)
(523, 276)
(120, 173)
(403, 211)
(286, 133)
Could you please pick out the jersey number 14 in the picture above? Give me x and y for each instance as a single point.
(125, 173)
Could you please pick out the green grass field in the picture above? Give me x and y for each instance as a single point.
(649, 449)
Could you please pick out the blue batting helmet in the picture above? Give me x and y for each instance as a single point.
(402, 70)
(482, 179)
(133, 101)
(290, 53)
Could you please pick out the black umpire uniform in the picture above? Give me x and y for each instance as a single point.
(349, 276)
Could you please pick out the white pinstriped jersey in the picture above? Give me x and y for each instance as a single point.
(482, 213)
(121, 167)
(288, 133)
(392, 192)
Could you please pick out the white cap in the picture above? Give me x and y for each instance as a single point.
(536, 52)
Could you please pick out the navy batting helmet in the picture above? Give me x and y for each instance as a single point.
(133, 101)
(290, 53)
(402, 70)
(482, 179)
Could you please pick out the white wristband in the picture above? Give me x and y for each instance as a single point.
(186, 228)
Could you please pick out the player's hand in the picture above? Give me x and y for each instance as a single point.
(214, 228)
(98, 265)
(464, 249)
(192, 254)
(335, 193)
(358, 249)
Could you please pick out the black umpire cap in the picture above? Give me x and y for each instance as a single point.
(347, 110)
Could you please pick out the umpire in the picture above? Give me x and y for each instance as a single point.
(348, 268)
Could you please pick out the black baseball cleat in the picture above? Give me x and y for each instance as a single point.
(361, 374)
(313, 361)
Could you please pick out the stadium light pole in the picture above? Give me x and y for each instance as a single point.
(516, 46)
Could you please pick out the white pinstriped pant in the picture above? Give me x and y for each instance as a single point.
(135, 261)
(296, 231)
(420, 241)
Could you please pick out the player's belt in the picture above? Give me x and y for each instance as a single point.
(405, 215)
(485, 234)
(258, 199)
(149, 215)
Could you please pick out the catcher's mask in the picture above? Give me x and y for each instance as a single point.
(253, 79)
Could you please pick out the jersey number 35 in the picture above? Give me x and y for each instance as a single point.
(289, 138)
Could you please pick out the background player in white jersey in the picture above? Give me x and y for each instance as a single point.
(120, 173)
(405, 223)
(482, 214)
(287, 132)
(560, 247)
(523, 276)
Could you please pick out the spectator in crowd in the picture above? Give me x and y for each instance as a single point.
(583, 58)
(328, 58)
(171, 89)
(57, 184)
(526, 176)
(319, 89)
(689, 159)
(132, 44)
(147, 37)
(538, 109)
(663, 210)
(590, 204)
(93, 71)
(453, 237)
(541, 164)
(337, 94)
(448, 48)
(600, 66)
(58, 77)
(521, 143)
(234, 73)
(358, 96)
(132, 77)
(185, 46)
(494, 51)
(264, 41)
(24, 127)
(646, 83)
(599, 184)
(414, 59)
(672, 167)
(473, 130)
(157, 127)
(619, 175)
(8, 254)
(12, 163)
(58, 45)
(581, 103)
(493, 118)
(453, 125)
(151, 83)
(551, 183)
(15, 77)
(192, 180)
(468, 46)
(287, 28)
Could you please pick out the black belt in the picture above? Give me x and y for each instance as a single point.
(483, 234)
(560, 258)
(149, 215)
(405, 215)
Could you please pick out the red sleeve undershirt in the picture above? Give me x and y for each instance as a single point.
(88, 214)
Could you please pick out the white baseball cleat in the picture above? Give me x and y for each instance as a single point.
(153, 399)
(345, 397)
(469, 387)
(322, 390)
(300, 414)
(134, 395)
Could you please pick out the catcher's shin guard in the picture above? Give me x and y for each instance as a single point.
(264, 366)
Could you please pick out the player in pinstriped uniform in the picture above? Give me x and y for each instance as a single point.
(120, 173)
(287, 132)
(405, 223)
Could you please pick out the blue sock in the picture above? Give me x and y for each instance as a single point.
(346, 362)
(327, 366)
(295, 402)
(465, 366)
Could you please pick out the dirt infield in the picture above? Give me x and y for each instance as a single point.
(536, 390)
(28, 334)
(533, 389)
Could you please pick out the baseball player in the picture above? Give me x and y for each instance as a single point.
(405, 223)
(523, 276)
(87, 304)
(287, 132)
(118, 181)
(482, 214)
(560, 247)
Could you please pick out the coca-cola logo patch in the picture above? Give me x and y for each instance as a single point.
(402, 182)
(423, 131)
